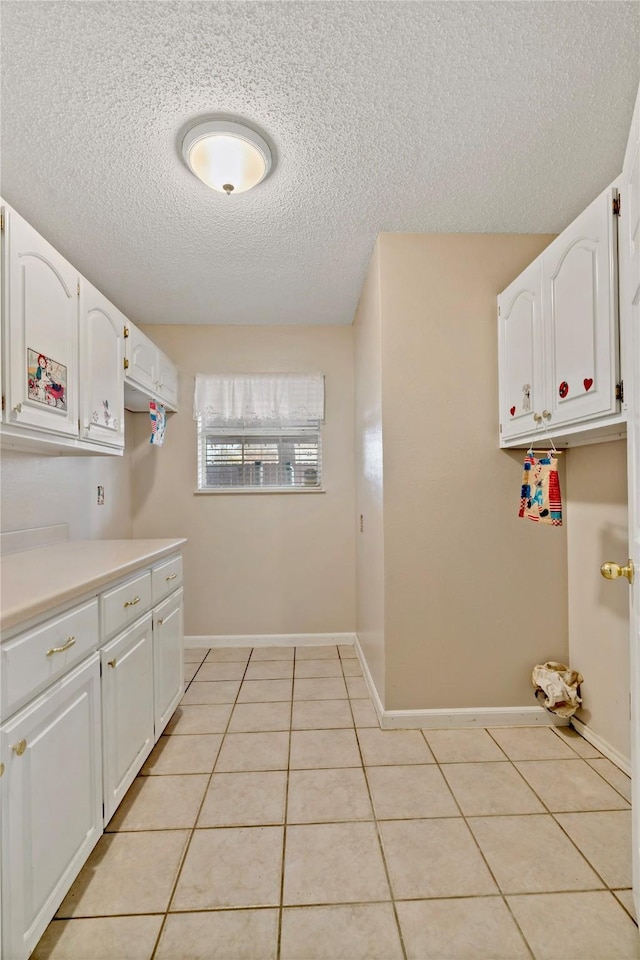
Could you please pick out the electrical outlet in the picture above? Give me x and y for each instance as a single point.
(100, 500)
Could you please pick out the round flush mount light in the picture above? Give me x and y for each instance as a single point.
(229, 157)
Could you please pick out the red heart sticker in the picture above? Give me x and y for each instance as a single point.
(512, 411)
(588, 383)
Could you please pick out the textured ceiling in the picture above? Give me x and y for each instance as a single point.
(384, 116)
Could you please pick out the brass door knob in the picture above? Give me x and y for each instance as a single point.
(611, 571)
(19, 747)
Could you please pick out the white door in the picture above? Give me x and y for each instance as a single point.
(51, 803)
(127, 710)
(101, 368)
(520, 353)
(41, 330)
(629, 235)
(142, 357)
(579, 285)
(168, 669)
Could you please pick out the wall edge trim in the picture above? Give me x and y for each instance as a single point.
(602, 745)
(269, 640)
(456, 716)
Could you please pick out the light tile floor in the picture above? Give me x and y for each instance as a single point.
(274, 819)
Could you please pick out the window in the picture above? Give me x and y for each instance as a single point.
(259, 431)
(290, 458)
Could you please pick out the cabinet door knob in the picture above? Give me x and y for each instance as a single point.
(537, 417)
(69, 642)
(546, 415)
(18, 408)
(1, 769)
(160, 620)
(611, 570)
(172, 577)
(113, 662)
(132, 603)
(19, 747)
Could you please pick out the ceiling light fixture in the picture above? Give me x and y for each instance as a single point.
(229, 157)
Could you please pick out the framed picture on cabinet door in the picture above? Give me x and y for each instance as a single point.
(46, 379)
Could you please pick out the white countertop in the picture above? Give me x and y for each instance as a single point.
(35, 581)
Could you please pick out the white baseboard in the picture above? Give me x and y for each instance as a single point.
(602, 745)
(270, 640)
(456, 717)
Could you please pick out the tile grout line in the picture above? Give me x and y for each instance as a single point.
(550, 813)
(480, 851)
(193, 829)
(285, 814)
(378, 834)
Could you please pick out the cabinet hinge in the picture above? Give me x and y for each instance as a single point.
(78, 288)
(1, 221)
(126, 364)
(126, 332)
(620, 391)
(616, 206)
(3, 401)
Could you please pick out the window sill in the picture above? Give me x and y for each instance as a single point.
(261, 491)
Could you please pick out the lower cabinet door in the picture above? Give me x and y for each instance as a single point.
(168, 668)
(127, 709)
(51, 803)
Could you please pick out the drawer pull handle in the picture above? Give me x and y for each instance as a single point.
(69, 642)
(113, 662)
(132, 603)
(172, 577)
(19, 747)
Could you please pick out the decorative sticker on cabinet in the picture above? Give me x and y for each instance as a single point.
(563, 389)
(526, 397)
(105, 418)
(588, 383)
(47, 380)
(512, 411)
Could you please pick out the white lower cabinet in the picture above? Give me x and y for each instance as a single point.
(71, 753)
(127, 709)
(51, 803)
(168, 669)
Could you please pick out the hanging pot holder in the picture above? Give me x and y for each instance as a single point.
(540, 498)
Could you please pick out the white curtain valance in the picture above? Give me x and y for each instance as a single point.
(259, 399)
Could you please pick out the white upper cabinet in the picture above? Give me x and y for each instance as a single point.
(101, 368)
(520, 341)
(142, 357)
(558, 337)
(40, 320)
(167, 381)
(150, 375)
(580, 316)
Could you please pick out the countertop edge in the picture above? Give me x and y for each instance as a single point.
(23, 613)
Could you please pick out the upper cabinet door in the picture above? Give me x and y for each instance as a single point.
(142, 356)
(167, 381)
(101, 368)
(580, 316)
(41, 330)
(520, 339)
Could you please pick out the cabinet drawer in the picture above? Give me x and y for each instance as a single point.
(33, 660)
(165, 578)
(124, 604)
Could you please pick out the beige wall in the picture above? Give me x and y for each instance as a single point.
(40, 490)
(369, 474)
(474, 596)
(598, 609)
(255, 563)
